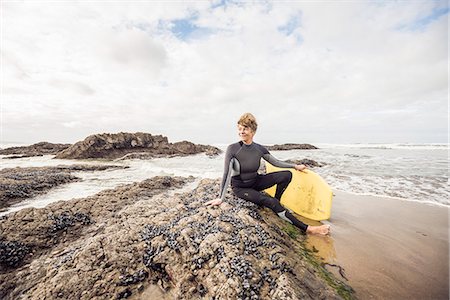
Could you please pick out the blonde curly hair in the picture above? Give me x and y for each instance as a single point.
(248, 120)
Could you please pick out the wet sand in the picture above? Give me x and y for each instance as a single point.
(388, 248)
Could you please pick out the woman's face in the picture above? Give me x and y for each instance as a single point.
(245, 133)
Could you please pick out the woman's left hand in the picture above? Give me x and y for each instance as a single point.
(214, 202)
(301, 168)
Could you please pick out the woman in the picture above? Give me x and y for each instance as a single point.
(242, 161)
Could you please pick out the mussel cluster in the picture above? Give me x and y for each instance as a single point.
(202, 290)
(251, 283)
(159, 273)
(282, 266)
(12, 253)
(66, 220)
(198, 262)
(16, 191)
(124, 294)
(136, 277)
(150, 253)
(219, 253)
(202, 229)
(158, 269)
(251, 208)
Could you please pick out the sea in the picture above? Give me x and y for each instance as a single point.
(410, 172)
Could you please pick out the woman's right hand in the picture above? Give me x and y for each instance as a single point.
(301, 168)
(214, 202)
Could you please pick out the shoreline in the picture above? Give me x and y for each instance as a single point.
(387, 248)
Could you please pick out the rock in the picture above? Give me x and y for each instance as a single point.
(38, 149)
(189, 148)
(124, 145)
(77, 167)
(17, 184)
(307, 162)
(291, 147)
(20, 156)
(137, 239)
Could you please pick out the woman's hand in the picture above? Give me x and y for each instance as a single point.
(214, 202)
(301, 168)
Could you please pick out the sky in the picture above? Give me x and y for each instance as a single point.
(310, 71)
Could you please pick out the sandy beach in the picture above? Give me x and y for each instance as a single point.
(388, 248)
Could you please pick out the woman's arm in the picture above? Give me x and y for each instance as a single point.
(225, 179)
(226, 172)
(278, 163)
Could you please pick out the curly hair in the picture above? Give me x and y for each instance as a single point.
(248, 120)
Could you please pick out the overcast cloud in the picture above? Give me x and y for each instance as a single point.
(339, 72)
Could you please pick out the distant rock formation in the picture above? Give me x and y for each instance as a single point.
(307, 162)
(38, 149)
(189, 148)
(139, 241)
(291, 147)
(125, 145)
(17, 184)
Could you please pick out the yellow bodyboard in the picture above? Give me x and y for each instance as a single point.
(307, 195)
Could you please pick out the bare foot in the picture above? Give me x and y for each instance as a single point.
(322, 229)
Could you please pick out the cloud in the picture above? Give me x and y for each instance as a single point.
(292, 25)
(71, 124)
(76, 87)
(335, 72)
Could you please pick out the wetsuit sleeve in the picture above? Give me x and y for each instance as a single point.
(226, 172)
(272, 160)
(277, 163)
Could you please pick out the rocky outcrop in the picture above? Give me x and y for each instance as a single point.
(38, 149)
(21, 156)
(143, 241)
(125, 145)
(307, 162)
(17, 184)
(188, 148)
(291, 147)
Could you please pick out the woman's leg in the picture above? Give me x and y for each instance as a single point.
(281, 179)
(274, 204)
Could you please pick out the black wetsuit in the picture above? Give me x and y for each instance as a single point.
(241, 166)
